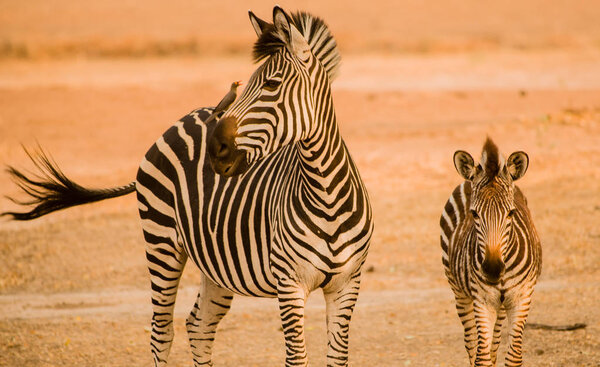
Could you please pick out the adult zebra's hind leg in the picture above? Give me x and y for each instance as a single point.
(212, 304)
(340, 305)
(166, 261)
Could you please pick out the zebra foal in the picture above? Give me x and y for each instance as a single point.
(491, 252)
(266, 201)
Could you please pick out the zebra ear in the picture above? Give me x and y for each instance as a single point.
(258, 24)
(517, 165)
(464, 164)
(290, 34)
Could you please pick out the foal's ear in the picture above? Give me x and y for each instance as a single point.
(289, 34)
(258, 24)
(464, 164)
(517, 165)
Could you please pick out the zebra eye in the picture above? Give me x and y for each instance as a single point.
(474, 214)
(271, 84)
(511, 213)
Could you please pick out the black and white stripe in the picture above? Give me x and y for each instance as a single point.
(286, 214)
(491, 253)
(296, 218)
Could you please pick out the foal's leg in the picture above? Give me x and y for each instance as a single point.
(497, 334)
(517, 316)
(464, 307)
(485, 319)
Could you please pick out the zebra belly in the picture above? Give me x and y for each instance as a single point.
(231, 239)
(221, 222)
(227, 225)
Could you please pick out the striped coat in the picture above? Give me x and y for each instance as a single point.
(491, 253)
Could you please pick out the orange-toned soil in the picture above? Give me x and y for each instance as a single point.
(96, 83)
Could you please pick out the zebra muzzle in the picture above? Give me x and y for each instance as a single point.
(225, 158)
(493, 267)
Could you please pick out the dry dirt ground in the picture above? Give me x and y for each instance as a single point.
(95, 84)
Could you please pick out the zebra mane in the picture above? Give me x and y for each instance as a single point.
(491, 161)
(317, 35)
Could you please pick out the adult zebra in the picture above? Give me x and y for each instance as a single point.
(286, 214)
(491, 252)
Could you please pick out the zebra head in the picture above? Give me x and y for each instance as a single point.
(286, 96)
(492, 205)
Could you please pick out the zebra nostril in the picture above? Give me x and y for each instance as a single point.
(493, 268)
(222, 151)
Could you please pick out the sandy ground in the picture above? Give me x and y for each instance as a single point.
(74, 286)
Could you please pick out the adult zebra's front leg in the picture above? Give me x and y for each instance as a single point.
(212, 304)
(340, 305)
(292, 299)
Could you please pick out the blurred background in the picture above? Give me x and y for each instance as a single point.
(95, 83)
(63, 28)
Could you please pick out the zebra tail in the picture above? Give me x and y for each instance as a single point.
(50, 190)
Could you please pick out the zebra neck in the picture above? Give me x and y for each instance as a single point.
(325, 168)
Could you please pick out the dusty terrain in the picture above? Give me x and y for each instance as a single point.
(97, 82)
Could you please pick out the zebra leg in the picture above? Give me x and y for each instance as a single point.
(464, 307)
(292, 298)
(340, 305)
(166, 261)
(497, 334)
(212, 304)
(485, 319)
(517, 316)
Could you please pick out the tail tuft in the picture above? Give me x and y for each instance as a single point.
(50, 190)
